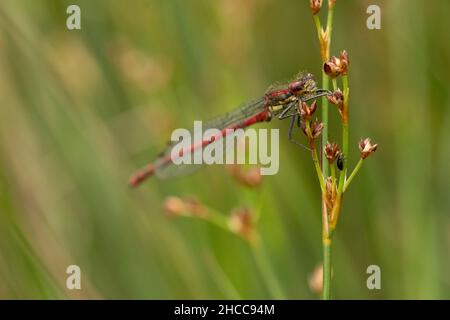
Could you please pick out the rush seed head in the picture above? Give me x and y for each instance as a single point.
(315, 130)
(315, 6)
(331, 152)
(250, 178)
(306, 111)
(335, 67)
(241, 222)
(366, 147)
(337, 98)
(174, 206)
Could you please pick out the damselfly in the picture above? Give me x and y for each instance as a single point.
(281, 101)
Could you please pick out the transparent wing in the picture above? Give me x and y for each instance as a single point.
(166, 165)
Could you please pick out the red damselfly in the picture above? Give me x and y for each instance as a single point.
(281, 101)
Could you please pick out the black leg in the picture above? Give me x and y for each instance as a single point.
(320, 94)
(294, 119)
(285, 111)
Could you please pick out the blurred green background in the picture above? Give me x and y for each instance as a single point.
(80, 110)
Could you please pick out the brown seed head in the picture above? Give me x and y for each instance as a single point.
(241, 223)
(174, 206)
(366, 147)
(306, 111)
(316, 129)
(331, 152)
(337, 66)
(251, 178)
(336, 98)
(195, 207)
(315, 280)
(332, 67)
(315, 6)
(331, 3)
(345, 62)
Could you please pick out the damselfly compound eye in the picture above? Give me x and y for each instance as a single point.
(296, 86)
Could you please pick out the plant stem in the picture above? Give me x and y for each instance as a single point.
(344, 136)
(333, 174)
(353, 174)
(266, 271)
(215, 218)
(326, 234)
(326, 294)
(317, 165)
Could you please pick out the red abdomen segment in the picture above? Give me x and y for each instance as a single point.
(166, 160)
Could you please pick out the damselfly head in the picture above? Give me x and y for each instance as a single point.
(303, 85)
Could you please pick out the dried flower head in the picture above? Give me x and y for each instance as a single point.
(337, 66)
(315, 280)
(195, 207)
(241, 222)
(336, 98)
(306, 111)
(332, 67)
(251, 178)
(315, 131)
(331, 3)
(331, 152)
(174, 206)
(367, 148)
(315, 6)
(344, 62)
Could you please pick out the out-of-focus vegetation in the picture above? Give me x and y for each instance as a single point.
(80, 110)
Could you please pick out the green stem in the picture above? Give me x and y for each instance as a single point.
(266, 271)
(345, 135)
(325, 83)
(327, 239)
(257, 249)
(318, 171)
(330, 25)
(318, 25)
(355, 171)
(326, 293)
